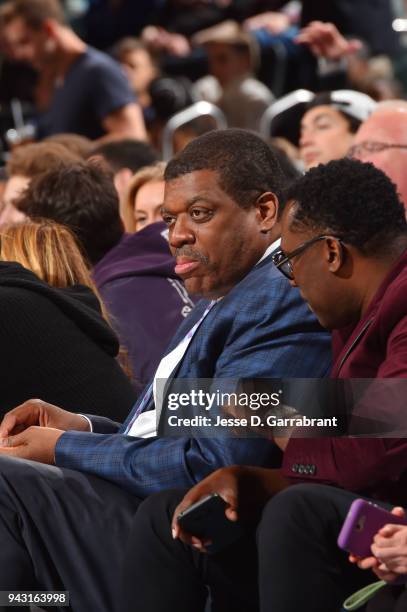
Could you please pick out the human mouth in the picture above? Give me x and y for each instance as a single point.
(185, 266)
(310, 157)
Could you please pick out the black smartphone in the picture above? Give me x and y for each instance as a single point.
(207, 520)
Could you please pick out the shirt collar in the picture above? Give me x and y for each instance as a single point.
(272, 247)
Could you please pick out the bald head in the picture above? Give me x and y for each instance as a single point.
(386, 126)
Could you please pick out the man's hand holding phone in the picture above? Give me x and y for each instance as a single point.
(245, 491)
(225, 483)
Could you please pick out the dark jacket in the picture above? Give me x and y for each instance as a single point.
(377, 348)
(55, 346)
(146, 299)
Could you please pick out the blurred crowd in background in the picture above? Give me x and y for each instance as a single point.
(240, 55)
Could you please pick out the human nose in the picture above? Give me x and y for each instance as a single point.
(180, 233)
(305, 138)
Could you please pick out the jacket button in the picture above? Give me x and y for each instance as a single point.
(294, 468)
(301, 469)
(312, 469)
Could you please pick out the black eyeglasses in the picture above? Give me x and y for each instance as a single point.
(282, 260)
(372, 146)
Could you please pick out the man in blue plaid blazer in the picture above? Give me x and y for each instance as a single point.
(63, 525)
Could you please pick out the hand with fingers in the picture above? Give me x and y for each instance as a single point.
(389, 548)
(32, 430)
(244, 489)
(325, 40)
(39, 413)
(34, 443)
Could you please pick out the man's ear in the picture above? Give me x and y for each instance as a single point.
(267, 211)
(334, 254)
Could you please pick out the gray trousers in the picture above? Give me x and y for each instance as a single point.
(62, 530)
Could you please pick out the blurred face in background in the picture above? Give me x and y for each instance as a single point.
(140, 69)
(147, 204)
(24, 44)
(12, 190)
(226, 63)
(374, 143)
(325, 135)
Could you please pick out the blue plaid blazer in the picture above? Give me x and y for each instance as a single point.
(261, 329)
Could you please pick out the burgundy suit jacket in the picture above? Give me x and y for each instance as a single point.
(377, 348)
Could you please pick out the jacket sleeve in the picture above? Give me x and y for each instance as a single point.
(144, 466)
(103, 424)
(349, 463)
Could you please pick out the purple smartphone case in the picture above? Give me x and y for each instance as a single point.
(363, 521)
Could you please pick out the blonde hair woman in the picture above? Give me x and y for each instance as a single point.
(47, 249)
(51, 252)
(145, 198)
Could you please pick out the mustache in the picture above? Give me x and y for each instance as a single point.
(192, 254)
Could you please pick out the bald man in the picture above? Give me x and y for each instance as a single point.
(382, 140)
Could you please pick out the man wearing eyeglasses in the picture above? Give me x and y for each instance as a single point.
(344, 242)
(382, 140)
(344, 245)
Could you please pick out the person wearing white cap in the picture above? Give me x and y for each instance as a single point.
(329, 124)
